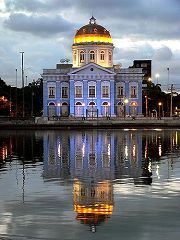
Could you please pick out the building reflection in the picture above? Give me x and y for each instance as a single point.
(93, 160)
(93, 201)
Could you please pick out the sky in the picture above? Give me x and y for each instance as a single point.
(44, 31)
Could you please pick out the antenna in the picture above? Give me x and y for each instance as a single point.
(62, 60)
(67, 60)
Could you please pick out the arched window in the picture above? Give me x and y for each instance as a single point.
(105, 104)
(64, 104)
(102, 55)
(51, 104)
(120, 103)
(110, 56)
(92, 104)
(78, 104)
(92, 56)
(74, 56)
(82, 56)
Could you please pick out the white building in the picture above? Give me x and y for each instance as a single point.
(92, 86)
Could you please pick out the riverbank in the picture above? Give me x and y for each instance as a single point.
(66, 123)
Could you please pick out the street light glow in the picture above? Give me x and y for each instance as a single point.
(157, 75)
(126, 101)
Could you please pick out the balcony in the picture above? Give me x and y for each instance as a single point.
(51, 96)
(119, 96)
(78, 96)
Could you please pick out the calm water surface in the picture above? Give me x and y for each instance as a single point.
(119, 184)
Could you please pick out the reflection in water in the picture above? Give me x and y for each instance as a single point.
(93, 202)
(93, 161)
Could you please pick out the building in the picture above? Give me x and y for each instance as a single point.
(92, 86)
(146, 68)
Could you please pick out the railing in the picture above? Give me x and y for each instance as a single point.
(78, 95)
(133, 96)
(119, 96)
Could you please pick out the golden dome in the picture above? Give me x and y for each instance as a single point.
(92, 33)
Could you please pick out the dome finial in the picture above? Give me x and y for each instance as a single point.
(92, 20)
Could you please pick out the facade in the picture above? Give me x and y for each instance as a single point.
(146, 68)
(92, 86)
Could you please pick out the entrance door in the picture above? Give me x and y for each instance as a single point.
(78, 109)
(120, 109)
(64, 110)
(52, 110)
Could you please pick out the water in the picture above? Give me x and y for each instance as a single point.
(99, 184)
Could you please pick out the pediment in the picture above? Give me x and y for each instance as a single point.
(93, 69)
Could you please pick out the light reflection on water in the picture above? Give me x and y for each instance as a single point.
(121, 182)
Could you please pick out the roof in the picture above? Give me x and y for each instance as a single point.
(92, 30)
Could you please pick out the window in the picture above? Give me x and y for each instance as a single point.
(64, 92)
(78, 91)
(105, 91)
(133, 91)
(51, 92)
(120, 92)
(110, 57)
(92, 56)
(74, 56)
(92, 93)
(82, 56)
(143, 64)
(102, 56)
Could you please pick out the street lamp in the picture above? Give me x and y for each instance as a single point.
(160, 104)
(125, 103)
(22, 75)
(146, 97)
(16, 93)
(32, 103)
(157, 77)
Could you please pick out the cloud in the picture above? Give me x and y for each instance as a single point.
(163, 54)
(40, 25)
(44, 30)
(36, 5)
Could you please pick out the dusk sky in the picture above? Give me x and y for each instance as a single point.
(44, 30)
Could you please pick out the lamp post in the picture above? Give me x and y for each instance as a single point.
(160, 104)
(16, 94)
(10, 104)
(171, 103)
(125, 103)
(146, 97)
(22, 75)
(157, 77)
(26, 81)
(32, 103)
